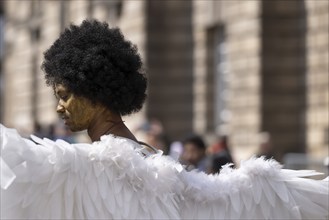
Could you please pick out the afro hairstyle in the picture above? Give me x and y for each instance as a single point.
(96, 62)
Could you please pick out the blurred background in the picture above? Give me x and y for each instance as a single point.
(252, 73)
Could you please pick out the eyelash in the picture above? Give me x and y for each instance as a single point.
(62, 97)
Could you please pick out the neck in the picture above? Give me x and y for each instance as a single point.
(102, 124)
(107, 122)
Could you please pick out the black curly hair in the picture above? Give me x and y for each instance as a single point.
(96, 62)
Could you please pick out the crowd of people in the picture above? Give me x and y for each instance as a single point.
(54, 131)
(192, 150)
(209, 159)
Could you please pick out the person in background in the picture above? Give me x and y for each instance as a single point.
(220, 155)
(39, 130)
(60, 131)
(154, 134)
(194, 153)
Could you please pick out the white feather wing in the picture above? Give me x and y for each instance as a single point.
(105, 180)
(259, 189)
(110, 180)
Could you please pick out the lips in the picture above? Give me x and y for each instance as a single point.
(65, 119)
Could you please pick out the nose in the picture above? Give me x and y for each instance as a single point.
(60, 109)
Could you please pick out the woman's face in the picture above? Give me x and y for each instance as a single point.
(76, 111)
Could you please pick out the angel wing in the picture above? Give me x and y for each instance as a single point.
(110, 179)
(104, 180)
(259, 189)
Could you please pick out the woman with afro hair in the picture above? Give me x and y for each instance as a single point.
(97, 77)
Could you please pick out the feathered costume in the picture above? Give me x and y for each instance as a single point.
(116, 178)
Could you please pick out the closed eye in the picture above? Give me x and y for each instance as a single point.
(64, 98)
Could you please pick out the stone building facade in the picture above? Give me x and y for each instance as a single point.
(214, 67)
(269, 62)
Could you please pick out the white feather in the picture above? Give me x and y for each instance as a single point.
(269, 194)
(280, 189)
(110, 179)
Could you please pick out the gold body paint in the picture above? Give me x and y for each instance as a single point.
(76, 111)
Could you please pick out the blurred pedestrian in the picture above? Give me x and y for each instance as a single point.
(194, 153)
(220, 155)
(59, 131)
(154, 134)
(38, 130)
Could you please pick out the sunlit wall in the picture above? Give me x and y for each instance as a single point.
(235, 68)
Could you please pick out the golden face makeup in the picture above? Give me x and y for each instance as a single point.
(76, 111)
